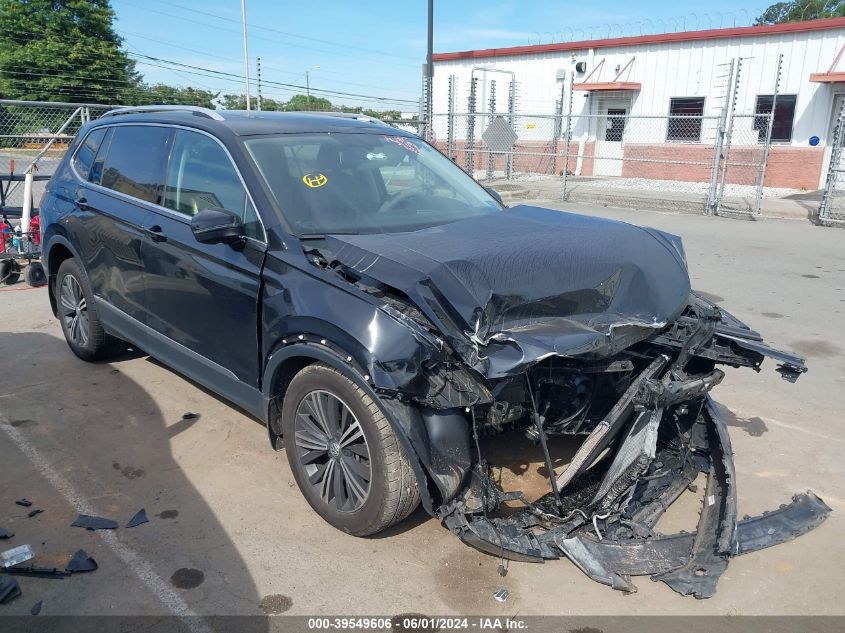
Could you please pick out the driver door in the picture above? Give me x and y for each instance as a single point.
(204, 297)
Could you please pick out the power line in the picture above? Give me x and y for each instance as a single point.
(232, 59)
(216, 74)
(388, 59)
(279, 83)
(390, 54)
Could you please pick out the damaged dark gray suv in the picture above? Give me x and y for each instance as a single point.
(383, 313)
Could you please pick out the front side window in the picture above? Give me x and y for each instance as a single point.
(784, 117)
(365, 183)
(685, 119)
(84, 157)
(135, 162)
(200, 175)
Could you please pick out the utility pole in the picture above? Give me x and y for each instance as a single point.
(246, 52)
(429, 67)
(258, 81)
(308, 84)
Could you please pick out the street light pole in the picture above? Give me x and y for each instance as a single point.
(246, 52)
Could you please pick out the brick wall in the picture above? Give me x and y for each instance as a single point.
(529, 157)
(792, 167)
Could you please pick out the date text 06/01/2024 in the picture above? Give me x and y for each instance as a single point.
(417, 622)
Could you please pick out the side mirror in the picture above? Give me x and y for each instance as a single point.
(214, 225)
(495, 194)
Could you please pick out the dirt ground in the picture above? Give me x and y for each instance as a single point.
(229, 532)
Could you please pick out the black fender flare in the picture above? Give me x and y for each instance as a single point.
(349, 368)
(51, 242)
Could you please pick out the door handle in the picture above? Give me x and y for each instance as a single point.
(156, 233)
(82, 202)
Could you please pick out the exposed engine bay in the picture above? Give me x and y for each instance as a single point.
(567, 326)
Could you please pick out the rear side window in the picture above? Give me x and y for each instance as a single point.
(135, 162)
(200, 175)
(84, 157)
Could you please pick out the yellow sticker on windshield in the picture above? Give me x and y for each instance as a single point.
(315, 180)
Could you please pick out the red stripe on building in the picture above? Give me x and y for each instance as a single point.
(688, 36)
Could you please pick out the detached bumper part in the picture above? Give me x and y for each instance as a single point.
(626, 545)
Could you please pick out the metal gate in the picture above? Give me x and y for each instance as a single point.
(832, 208)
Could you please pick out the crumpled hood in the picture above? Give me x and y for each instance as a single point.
(508, 289)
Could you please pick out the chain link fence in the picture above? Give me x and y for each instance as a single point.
(832, 208)
(720, 163)
(706, 154)
(34, 136)
(615, 156)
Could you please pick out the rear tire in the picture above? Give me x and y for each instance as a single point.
(335, 437)
(81, 325)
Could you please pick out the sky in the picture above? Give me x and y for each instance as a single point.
(372, 50)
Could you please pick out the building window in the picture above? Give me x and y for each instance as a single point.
(615, 126)
(784, 116)
(685, 119)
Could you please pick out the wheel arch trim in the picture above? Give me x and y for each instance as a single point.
(56, 240)
(313, 352)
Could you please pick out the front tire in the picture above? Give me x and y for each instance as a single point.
(344, 454)
(78, 316)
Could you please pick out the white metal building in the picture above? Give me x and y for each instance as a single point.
(618, 81)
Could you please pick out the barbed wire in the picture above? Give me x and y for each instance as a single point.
(693, 21)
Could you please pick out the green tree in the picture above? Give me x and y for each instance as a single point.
(801, 10)
(303, 102)
(385, 115)
(145, 94)
(62, 50)
(238, 102)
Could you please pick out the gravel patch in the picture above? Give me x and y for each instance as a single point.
(699, 188)
(646, 184)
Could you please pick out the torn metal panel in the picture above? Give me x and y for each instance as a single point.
(608, 531)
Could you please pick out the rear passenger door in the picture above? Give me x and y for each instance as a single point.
(119, 185)
(204, 296)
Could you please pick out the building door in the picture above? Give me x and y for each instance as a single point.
(610, 133)
(831, 129)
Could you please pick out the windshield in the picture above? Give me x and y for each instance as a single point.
(365, 183)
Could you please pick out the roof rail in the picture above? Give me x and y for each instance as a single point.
(200, 111)
(346, 115)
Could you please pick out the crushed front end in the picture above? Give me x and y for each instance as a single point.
(651, 429)
(536, 324)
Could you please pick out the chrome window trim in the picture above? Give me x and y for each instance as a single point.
(157, 207)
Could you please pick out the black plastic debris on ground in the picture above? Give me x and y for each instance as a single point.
(94, 523)
(36, 608)
(4, 534)
(24, 502)
(81, 562)
(33, 571)
(139, 518)
(190, 416)
(9, 589)
(34, 513)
